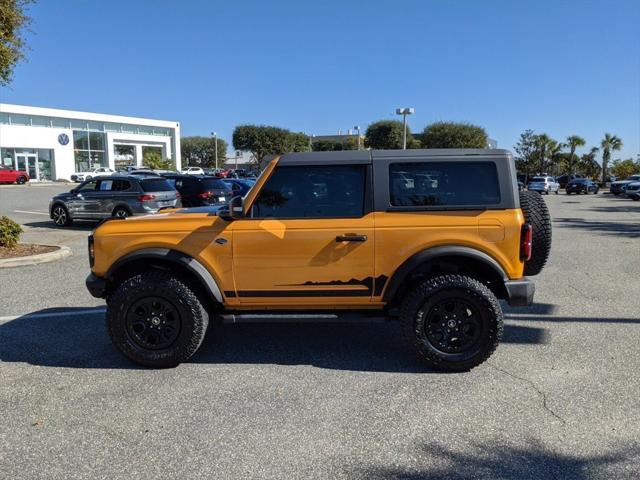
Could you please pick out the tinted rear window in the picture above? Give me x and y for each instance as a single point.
(538, 179)
(214, 184)
(156, 185)
(443, 184)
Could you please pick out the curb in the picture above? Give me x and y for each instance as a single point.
(61, 252)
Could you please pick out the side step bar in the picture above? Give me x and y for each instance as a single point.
(287, 317)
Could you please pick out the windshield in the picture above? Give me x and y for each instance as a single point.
(156, 185)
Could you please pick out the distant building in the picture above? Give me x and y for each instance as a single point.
(52, 144)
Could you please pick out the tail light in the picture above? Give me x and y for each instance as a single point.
(146, 198)
(205, 195)
(178, 195)
(526, 242)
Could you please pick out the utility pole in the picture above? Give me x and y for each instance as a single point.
(357, 129)
(404, 112)
(215, 139)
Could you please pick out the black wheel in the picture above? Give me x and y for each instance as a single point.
(121, 212)
(21, 180)
(557, 192)
(88, 177)
(156, 319)
(536, 213)
(60, 216)
(451, 322)
(568, 193)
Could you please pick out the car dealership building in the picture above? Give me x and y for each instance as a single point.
(52, 144)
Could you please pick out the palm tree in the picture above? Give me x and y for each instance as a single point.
(573, 142)
(588, 165)
(542, 143)
(608, 144)
(555, 154)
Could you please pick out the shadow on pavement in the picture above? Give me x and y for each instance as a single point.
(618, 228)
(79, 340)
(77, 225)
(504, 461)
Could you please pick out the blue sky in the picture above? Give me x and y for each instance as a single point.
(558, 67)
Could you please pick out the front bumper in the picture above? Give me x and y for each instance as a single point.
(97, 286)
(520, 292)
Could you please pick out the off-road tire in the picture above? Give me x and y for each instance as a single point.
(536, 213)
(416, 309)
(194, 318)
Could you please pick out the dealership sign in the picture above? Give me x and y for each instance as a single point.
(63, 139)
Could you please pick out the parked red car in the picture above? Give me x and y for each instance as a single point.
(9, 175)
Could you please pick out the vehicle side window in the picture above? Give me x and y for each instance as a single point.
(312, 192)
(120, 185)
(88, 187)
(105, 185)
(443, 184)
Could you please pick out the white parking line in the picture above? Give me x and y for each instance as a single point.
(32, 213)
(61, 313)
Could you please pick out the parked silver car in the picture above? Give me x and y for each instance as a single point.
(114, 196)
(633, 191)
(543, 184)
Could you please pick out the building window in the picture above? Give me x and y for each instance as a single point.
(124, 156)
(88, 150)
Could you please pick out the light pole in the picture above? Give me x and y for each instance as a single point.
(357, 129)
(215, 139)
(404, 112)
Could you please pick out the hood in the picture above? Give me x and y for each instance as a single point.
(177, 220)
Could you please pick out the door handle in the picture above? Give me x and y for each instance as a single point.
(351, 238)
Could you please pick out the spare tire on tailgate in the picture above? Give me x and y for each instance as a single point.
(536, 213)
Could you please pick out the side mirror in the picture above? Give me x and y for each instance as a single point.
(233, 211)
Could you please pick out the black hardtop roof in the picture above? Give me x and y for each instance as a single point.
(368, 156)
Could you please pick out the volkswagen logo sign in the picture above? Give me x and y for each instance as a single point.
(63, 139)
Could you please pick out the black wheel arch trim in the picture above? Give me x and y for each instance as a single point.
(172, 256)
(433, 253)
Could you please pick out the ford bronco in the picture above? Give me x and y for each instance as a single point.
(431, 238)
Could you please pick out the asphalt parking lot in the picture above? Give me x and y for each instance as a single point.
(559, 398)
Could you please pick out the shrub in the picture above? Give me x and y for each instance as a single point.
(9, 232)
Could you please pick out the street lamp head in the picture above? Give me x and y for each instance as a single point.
(405, 111)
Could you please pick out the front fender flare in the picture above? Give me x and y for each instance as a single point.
(172, 256)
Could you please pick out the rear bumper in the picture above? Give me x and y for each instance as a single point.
(520, 292)
(97, 286)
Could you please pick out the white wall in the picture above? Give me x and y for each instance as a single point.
(17, 136)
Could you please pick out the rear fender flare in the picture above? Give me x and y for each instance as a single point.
(424, 256)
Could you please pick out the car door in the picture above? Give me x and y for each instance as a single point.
(102, 201)
(81, 198)
(4, 174)
(308, 240)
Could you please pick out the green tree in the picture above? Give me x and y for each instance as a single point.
(263, 140)
(386, 135)
(153, 160)
(609, 143)
(624, 168)
(542, 144)
(300, 142)
(327, 146)
(526, 153)
(13, 22)
(588, 165)
(556, 155)
(454, 135)
(573, 142)
(201, 151)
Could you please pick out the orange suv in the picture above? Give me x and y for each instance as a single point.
(432, 238)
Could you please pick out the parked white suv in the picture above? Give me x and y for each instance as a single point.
(543, 184)
(193, 171)
(96, 172)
